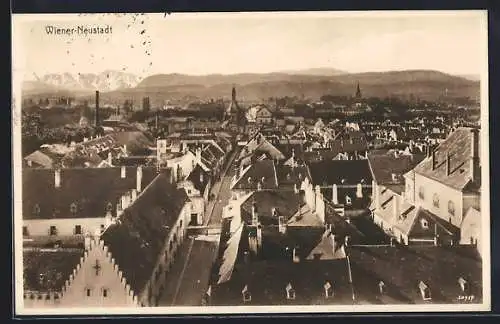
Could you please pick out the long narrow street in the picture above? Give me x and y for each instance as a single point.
(190, 273)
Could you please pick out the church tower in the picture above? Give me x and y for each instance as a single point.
(358, 91)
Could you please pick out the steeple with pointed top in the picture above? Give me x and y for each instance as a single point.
(358, 91)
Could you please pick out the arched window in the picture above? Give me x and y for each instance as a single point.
(421, 193)
(451, 208)
(435, 200)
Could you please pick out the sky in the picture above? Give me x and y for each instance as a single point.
(451, 42)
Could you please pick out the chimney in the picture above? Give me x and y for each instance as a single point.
(123, 172)
(110, 158)
(474, 159)
(255, 216)
(57, 178)
(433, 155)
(374, 190)
(335, 198)
(395, 206)
(139, 179)
(97, 108)
(198, 155)
(134, 194)
(448, 169)
(359, 190)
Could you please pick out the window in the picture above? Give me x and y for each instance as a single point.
(73, 208)
(97, 267)
(451, 208)
(421, 193)
(53, 230)
(88, 292)
(105, 292)
(109, 207)
(78, 229)
(424, 223)
(435, 200)
(25, 231)
(36, 209)
(189, 191)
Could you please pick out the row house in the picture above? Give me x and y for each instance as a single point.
(125, 266)
(439, 200)
(346, 183)
(64, 205)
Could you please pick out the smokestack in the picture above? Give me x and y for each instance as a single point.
(474, 159)
(97, 108)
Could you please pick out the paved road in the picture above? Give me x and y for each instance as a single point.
(190, 274)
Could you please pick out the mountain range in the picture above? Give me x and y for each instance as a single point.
(312, 83)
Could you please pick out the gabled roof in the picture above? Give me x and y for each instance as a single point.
(90, 189)
(384, 166)
(47, 270)
(329, 248)
(286, 204)
(137, 239)
(199, 177)
(458, 146)
(329, 172)
(254, 174)
(401, 269)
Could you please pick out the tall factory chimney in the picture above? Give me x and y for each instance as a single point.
(97, 108)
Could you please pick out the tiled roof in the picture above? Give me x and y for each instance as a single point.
(266, 281)
(47, 270)
(135, 141)
(334, 171)
(458, 146)
(41, 159)
(286, 204)
(199, 178)
(260, 169)
(384, 166)
(90, 189)
(402, 268)
(289, 176)
(140, 234)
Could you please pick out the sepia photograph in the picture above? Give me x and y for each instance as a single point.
(209, 163)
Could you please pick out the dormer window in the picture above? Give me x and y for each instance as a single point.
(464, 285)
(435, 200)
(73, 208)
(328, 289)
(451, 208)
(424, 223)
(421, 193)
(290, 292)
(36, 210)
(424, 291)
(348, 200)
(109, 207)
(247, 297)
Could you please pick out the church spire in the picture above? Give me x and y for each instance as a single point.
(358, 91)
(233, 94)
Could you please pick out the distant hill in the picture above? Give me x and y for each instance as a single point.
(316, 71)
(472, 77)
(426, 84)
